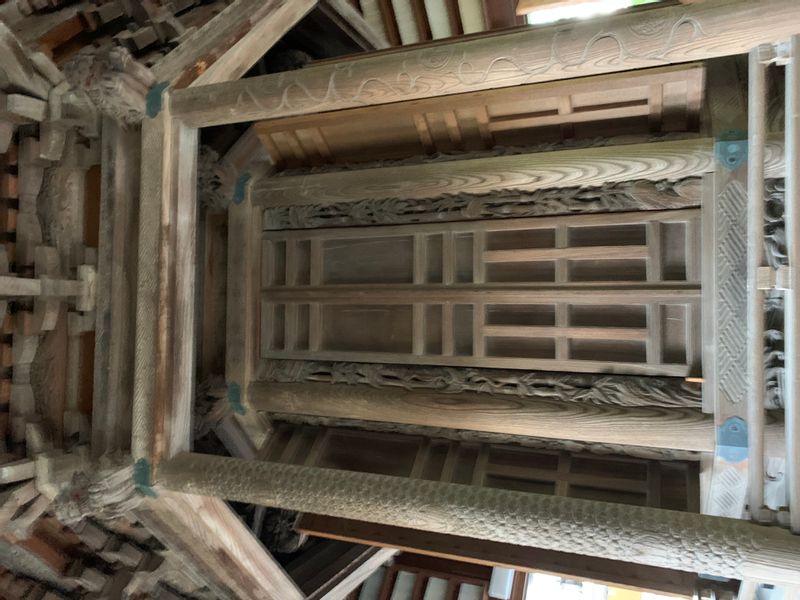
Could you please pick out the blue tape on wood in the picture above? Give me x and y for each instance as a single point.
(235, 398)
(730, 148)
(240, 188)
(142, 478)
(732, 440)
(153, 99)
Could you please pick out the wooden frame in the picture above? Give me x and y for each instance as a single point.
(166, 280)
(312, 281)
(530, 55)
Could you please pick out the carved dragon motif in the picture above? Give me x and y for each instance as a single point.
(610, 197)
(569, 387)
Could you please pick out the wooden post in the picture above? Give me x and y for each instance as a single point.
(791, 301)
(165, 332)
(622, 42)
(756, 129)
(689, 542)
(673, 428)
(116, 287)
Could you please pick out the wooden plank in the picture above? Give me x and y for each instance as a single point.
(525, 363)
(165, 348)
(242, 344)
(575, 293)
(685, 33)
(345, 11)
(17, 71)
(655, 161)
(393, 125)
(212, 541)
(116, 286)
(227, 46)
(570, 566)
(575, 253)
(593, 333)
(354, 575)
(679, 429)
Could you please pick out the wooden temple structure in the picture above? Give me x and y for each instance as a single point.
(394, 299)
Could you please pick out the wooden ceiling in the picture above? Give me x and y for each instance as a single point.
(656, 101)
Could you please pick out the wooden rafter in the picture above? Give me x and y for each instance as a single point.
(230, 43)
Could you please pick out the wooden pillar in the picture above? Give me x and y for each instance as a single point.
(684, 541)
(655, 427)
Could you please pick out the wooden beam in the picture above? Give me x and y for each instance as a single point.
(495, 554)
(116, 288)
(241, 331)
(674, 428)
(729, 548)
(530, 55)
(586, 167)
(343, 11)
(211, 539)
(227, 46)
(165, 327)
(354, 574)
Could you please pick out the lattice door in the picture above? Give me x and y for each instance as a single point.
(591, 293)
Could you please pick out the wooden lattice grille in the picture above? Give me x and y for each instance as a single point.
(590, 293)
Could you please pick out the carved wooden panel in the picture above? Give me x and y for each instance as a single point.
(649, 101)
(604, 293)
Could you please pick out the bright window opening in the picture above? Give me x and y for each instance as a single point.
(582, 10)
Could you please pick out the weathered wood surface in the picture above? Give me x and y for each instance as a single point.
(349, 17)
(241, 330)
(494, 554)
(645, 102)
(165, 327)
(230, 43)
(116, 286)
(672, 34)
(651, 536)
(212, 540)
(366, 561)
(672, 428)
(670, 160)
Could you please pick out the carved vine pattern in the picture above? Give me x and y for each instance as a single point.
(775, 252)
(616, 390)
(450, 69)
(610, 197)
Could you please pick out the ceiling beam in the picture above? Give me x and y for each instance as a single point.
(227, 46)
(211, 538)
(623, 42)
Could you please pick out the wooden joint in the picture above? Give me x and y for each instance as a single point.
(235, 399)
(143, 478)
(240, 187)
(154, 101)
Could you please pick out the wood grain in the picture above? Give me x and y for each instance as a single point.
(213, 541)
(622, 42)
(229, 44)
(678, 429)
(116, 286)
(654, 161)
(165, 328)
